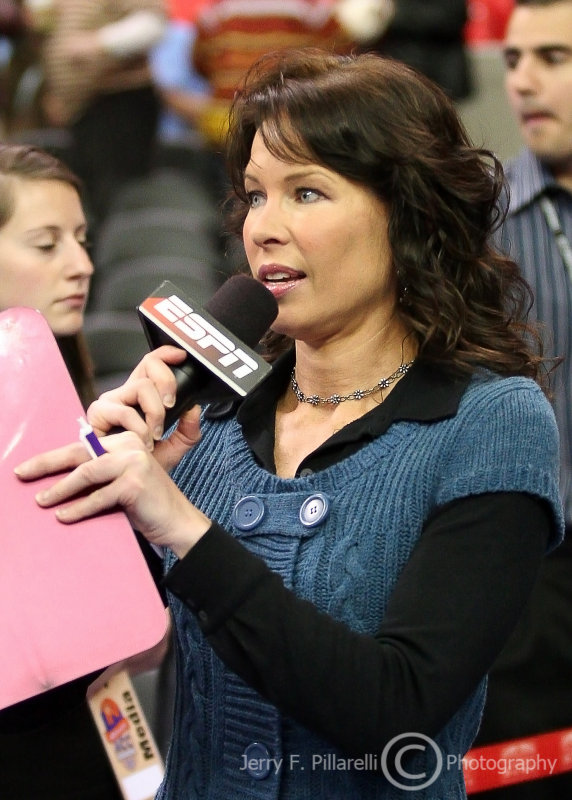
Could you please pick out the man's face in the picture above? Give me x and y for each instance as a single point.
(538, 58)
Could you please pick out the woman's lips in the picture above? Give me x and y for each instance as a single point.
(280, 288)
(278, 279)
(74, 301)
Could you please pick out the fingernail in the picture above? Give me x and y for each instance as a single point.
(22, 470)
(62, 513)
(169, 401)
(158, 432)
(41, 497)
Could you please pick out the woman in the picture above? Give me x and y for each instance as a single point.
(49, 746)
(44, 263)
(347, 551)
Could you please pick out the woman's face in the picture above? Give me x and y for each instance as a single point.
(319, 242)
(43, 260)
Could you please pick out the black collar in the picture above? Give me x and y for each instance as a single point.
(425, 394)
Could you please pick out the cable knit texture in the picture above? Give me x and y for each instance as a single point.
(503, 438)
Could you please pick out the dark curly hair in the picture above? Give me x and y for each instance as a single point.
(385, 126)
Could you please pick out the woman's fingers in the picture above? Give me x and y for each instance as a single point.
(128, 476)
(52, 462)
(139, 404)
(97, 485)
(169, 452)
(86, 476)
(119, 410)
(155, 367)
(64, 459)
(96, 502)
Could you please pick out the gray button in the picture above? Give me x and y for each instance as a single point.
(305, 472)
(257, 761)
(248, 512)
(314, 510)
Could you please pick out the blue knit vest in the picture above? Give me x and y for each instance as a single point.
(503, 438)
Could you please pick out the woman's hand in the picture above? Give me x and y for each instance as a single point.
(128, 476)
(132, 474)
(150, 389)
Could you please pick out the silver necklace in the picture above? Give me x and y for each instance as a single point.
(358, 394)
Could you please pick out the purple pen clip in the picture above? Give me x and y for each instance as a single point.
(89, 439)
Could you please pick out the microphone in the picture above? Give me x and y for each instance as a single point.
(219, 339)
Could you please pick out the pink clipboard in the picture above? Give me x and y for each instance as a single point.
(73, 598)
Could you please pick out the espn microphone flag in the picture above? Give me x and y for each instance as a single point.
(218, 338)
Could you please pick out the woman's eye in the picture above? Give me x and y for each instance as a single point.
(46, 248)
(255, 199)
(308, 195)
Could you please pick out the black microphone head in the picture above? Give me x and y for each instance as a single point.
(245, 307)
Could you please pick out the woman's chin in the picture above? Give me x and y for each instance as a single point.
(69, 325)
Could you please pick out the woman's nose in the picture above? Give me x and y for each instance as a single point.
(267, 225)
(79, 260)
